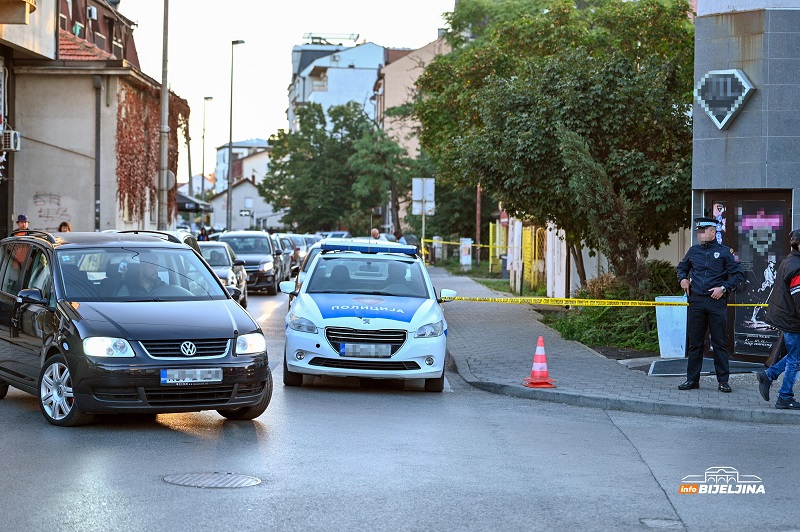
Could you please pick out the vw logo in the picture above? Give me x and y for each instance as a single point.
(188, 349)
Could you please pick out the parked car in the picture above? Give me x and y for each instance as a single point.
(335, 234)
(283, 253)
(366, 309)
(255, 248)
(288, 242)
(120, 322)
(226, 266)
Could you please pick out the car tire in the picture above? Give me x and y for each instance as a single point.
(56, 399)
(290, 378)
(243, 299)
(251, 412)
(435, 384)
(3, 389)
(273, 288)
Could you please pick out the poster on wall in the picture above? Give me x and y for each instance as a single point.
(762, 236)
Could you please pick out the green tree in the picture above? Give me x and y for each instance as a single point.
(570, 113)
(309, 173)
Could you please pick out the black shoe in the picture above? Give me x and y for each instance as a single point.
(724, 387)
(689, 385)
(787, 404)
(763, 384)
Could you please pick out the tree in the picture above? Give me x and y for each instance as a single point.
(539, 109)
(309, 174)
(381, 167)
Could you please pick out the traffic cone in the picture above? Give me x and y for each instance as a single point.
(539, 377)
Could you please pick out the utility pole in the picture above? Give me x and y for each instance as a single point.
(164, 159)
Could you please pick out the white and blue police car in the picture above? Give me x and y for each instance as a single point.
(366, 309)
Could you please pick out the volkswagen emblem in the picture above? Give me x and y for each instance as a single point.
(188, 349)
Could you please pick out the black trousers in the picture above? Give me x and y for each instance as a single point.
(712, 314)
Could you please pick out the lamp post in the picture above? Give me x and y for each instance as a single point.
(229, 195)
(203, 170)
(164, 136)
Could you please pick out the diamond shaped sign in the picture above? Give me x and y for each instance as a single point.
(722, 94)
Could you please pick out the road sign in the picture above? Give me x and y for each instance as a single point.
(504, 219)
(422, 196)
(245, 212)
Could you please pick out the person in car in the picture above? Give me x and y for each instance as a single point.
(143, 280)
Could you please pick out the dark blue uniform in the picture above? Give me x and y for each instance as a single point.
(709, 266)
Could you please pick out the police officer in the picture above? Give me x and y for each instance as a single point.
(708, 273)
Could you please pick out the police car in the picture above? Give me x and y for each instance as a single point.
(366, 309)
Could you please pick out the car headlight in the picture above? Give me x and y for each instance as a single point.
(296, 323)
(101, 346)
(430, 330)
(250, 344)
(266, 266)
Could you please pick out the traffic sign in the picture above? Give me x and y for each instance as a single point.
(245, 212)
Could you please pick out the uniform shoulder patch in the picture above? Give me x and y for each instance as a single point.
(731, 251)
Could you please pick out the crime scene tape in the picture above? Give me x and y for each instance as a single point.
(569, 302)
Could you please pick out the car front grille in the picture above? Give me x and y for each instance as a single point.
(363, 364)
(339, 335)
(212, 348)
(180, 395)
(186, 396)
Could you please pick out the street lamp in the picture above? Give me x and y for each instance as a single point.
(229, 195)
(203, 179)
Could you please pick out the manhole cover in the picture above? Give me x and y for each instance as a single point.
(212, 480)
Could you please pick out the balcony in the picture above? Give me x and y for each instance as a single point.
(16, 11)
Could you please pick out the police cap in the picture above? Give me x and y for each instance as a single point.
(701, 224)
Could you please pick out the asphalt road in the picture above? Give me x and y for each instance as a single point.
(336, 455)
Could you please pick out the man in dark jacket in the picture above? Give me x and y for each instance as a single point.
(708, 273)
(783, 312)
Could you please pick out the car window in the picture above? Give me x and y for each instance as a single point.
(14, 257)
(215, 255)
(313, 252)
(363, 274)
(276, 245)
(298, 241)
(253, 245)
(310, 240)
(287, 244)
(135, 274)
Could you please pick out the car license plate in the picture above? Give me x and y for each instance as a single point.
(365, 350)
(191, 376)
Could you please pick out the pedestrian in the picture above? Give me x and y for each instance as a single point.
(376, 234)
(22, 223)
(783, 312)
(398, 234)
(202, 236)
(707, 274)
(64, 227)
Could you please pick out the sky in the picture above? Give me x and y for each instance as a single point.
(199, 55)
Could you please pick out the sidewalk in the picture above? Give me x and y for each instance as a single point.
(492, 347)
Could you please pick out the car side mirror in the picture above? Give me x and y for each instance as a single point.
(288, 287)
(446, 295)
(239, 262)
(31, 296)
(234, 292)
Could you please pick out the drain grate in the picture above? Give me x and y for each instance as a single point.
(212, 480)
(662, 523)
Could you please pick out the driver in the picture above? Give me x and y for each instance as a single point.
(145, 280)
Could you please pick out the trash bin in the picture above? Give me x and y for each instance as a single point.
(671, 324)
(504, 266)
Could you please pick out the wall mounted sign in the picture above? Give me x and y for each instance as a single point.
(722, 94)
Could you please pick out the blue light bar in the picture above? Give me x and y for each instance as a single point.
(364, 247)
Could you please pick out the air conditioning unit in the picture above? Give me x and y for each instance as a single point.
(11, 140)
(91, 12)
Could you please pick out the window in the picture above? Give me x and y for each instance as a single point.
(100, 41)
(14, 257)
(39, 274)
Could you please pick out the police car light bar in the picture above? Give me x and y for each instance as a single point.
(369, 248)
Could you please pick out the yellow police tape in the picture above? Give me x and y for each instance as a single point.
(569, 302)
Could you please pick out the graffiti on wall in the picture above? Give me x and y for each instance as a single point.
(50, 211)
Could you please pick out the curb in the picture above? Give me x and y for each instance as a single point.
(624, 405)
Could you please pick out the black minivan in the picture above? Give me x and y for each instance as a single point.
(96, 323)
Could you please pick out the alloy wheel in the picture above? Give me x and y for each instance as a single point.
(56, 393)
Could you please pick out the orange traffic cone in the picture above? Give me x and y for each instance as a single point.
(539, 377)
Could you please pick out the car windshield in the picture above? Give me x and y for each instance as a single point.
(363, 274)
(215, 255)
(137, 273)
(248, 245)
